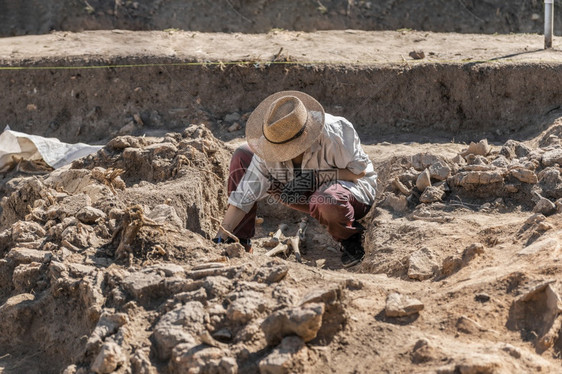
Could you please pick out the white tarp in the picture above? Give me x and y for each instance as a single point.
(15, 146)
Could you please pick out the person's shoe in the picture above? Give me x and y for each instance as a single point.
(353, 252)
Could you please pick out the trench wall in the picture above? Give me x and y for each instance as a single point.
(461, 101)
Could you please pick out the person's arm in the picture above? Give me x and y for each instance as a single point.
(231, 219)
(347, 175)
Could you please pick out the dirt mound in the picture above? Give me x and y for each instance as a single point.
(105, 270)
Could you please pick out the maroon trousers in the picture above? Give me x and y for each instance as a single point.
(335, 207)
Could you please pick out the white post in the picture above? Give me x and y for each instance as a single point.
(548, 23)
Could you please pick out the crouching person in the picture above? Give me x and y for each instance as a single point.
(311, 161)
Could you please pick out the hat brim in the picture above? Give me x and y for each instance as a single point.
(284, 152)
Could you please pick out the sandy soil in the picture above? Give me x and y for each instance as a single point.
(107, 266)
(330, 47)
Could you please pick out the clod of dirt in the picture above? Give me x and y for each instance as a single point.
(417, 55)
(398, 305)
(535, 314)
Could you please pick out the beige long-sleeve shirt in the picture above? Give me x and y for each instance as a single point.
(338, 147)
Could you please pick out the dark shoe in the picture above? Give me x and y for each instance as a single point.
(353, 252)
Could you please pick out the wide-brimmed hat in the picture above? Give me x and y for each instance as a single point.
(284, 125)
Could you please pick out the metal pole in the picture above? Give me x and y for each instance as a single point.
(548, 23)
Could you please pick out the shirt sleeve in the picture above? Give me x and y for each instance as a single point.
(252, 187)
(347, 148)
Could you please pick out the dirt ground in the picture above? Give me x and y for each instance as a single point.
(106, 265)
(261, 16)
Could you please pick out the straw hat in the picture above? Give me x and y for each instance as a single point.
(284, 125)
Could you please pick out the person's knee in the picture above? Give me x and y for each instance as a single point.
(242, 157)
(325, 205)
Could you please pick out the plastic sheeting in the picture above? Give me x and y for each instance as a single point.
(16, 146)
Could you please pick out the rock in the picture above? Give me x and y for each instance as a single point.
(468, 326)
(325, 295)
(549, 245)
(144, 286)
(396, 203)
(536, 311)
(168, 269)
(164, 213)
(27, 231)
(25, 276)
(451, 264)
(500, 162)
(90, 215)
(201, 359)
(244, 309)
(423, 181)
(422, 161)
(272, 272)
(424, 351)
(234, 250)
(167, 336)
(109, 358)
(524, 175)
(232, 117)
(468, 179)
(234, 127)
(421, 264)
(482, 148)
(284, 358)
(482, 297)
(552, 157)
(513, 148)
(304, 321)
(140, 363)
(398, 305)
(26, 256)
(108, 324)
(217, 287)
(432, 194)
(417, 55)
(544, 206)
(440, 171)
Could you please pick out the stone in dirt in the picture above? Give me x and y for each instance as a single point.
(432, 194)
(285, 358)
(544, 206)
(398, 203)
(535, 313)
(398, 305)
(468, 326)
(482, 148)
(201, 359)
(423, 181)
(439, 170)
(422, 265)
(524, 175)
(304, 321)
(109, 359)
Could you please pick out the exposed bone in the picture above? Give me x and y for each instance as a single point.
(278, 237)
(280, 248)
(292, 242)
